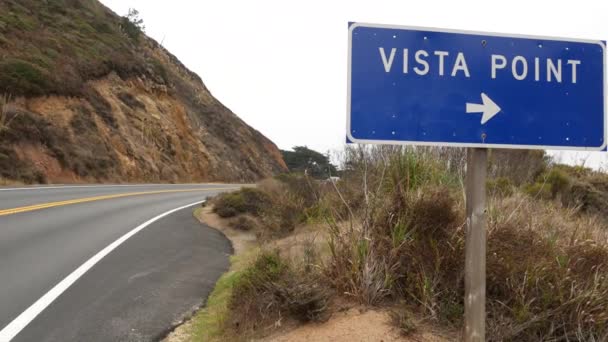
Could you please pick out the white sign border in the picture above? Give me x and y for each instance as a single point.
(452, 144)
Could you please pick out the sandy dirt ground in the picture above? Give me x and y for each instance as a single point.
(354, 325)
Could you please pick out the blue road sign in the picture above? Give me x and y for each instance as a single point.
(427, 86)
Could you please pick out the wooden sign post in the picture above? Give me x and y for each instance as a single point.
(475, 245)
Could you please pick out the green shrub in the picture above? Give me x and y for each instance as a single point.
(132, 25)
(160, 70)
(246, 200)
(19, 77)
(277, 206)
(538, 190)
(16, 20)
(559, 181)
(501, 186)
(271, 289)
(587, 198)
(103, 27)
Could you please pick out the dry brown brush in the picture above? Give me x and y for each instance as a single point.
(396, 235)
(400, 238)
(273, 291)
(547, 269)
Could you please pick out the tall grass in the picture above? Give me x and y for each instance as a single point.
(403, 239)
(271, 290)
(396, 224)
(547, 269)
(393, 246)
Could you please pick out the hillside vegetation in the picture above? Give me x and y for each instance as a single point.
(391, 234)
(89, 97)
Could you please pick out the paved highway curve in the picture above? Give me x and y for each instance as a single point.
(104, 262)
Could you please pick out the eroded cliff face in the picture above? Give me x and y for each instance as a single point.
(149, 119)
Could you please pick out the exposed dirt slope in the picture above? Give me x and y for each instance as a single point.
(90, 98)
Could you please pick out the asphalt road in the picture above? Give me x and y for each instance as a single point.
(68, 272)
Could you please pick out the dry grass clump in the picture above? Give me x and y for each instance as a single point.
(273, 290)
(398, 236)
(547, 272)
(404, 321)
(412, 249)
(519, 166)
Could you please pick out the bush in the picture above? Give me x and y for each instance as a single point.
(160, 70)
(19, 77)
(406, 247)
(244, 223)
(545, 279)
(520, 166)
(559, 182)
(277, 206)
(538, 190)
(502, 187)
(246, 200)
(272, 289)
(587, 198)
(132, 25)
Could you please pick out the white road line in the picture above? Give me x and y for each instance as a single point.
(19, 323)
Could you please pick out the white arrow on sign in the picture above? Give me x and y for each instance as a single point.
(489, 108)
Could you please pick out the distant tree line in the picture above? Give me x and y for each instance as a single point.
(304, 160)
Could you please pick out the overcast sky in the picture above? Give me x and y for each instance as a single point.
(281, 65)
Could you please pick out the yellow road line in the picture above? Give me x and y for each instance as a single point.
(98, 198)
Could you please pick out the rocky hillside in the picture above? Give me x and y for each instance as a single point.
(86, 96)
